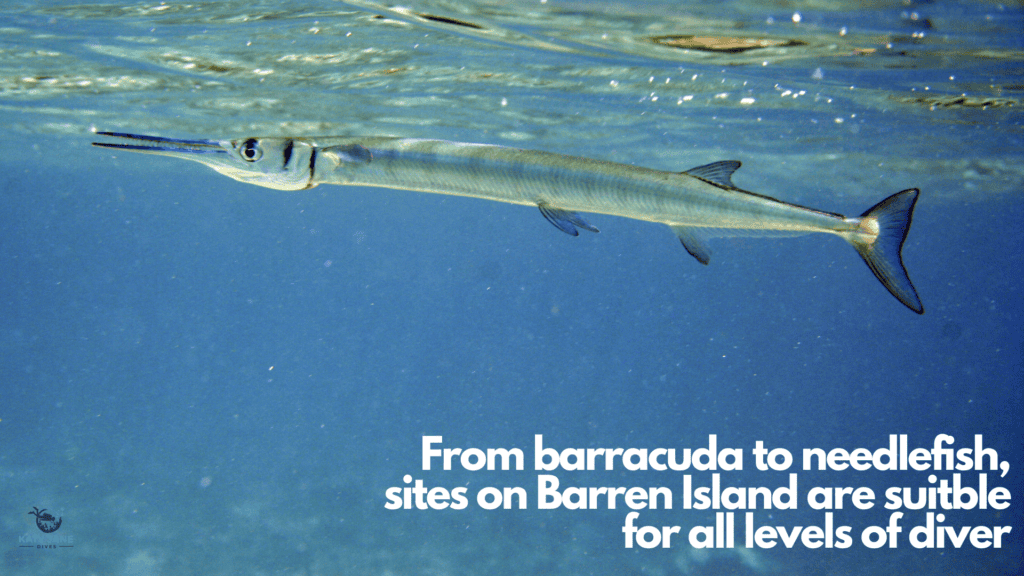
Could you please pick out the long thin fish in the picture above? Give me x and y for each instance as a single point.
(695, 204)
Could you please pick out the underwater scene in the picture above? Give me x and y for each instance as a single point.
(204, 374)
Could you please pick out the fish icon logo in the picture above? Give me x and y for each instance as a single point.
(45, 521)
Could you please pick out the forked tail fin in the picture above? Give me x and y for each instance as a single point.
(879, 241)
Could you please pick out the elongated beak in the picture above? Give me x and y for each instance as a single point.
(158, 145)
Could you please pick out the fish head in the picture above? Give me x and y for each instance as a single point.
(278, 163)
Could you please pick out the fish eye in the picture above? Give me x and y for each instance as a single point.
(250, 150)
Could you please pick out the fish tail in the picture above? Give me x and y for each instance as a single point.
(879, 238)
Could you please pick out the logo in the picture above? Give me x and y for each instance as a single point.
(47, 524)
(46, 521)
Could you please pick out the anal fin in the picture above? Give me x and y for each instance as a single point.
(694, 244)
(565, 220)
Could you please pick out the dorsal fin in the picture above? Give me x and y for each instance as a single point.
(717, 173)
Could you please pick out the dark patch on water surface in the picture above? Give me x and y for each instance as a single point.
(724, 44)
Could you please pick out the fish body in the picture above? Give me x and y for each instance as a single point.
(696, 204)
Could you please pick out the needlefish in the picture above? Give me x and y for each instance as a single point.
(696, 204)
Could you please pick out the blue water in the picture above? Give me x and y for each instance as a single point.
(205, 377)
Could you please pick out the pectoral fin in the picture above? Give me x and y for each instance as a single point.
(351, 153)
(565, 220)
(694, 244)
